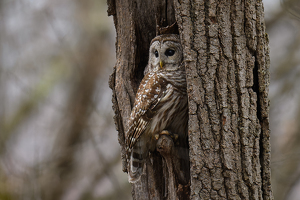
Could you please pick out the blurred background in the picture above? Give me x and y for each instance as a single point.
(56, 120)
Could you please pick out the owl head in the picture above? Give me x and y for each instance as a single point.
(165, 53)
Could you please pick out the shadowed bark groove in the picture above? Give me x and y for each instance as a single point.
(227, 59)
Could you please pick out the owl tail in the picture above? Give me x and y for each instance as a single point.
(136, 164)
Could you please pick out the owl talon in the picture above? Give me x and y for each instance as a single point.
(165, 132)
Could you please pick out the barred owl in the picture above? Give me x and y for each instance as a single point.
(160, 103)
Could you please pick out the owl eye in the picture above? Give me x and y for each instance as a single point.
(156, 53)
(169, 52)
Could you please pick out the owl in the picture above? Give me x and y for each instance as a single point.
(160, 103)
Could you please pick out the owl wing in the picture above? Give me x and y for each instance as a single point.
(150, 93)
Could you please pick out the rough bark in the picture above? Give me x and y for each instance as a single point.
(227, 59)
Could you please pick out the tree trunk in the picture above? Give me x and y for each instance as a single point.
(227, 66)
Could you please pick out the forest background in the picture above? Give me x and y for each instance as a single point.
(55, 104)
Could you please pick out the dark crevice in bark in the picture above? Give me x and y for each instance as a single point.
(255, 88)
(141, 60)
(159, 172)
(166, 10)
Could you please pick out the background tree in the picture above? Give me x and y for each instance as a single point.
(52, 50)
(227, 63)
(285, 99)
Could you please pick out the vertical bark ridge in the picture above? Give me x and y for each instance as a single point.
(233, 175)
(250, 24)
(212, 99)
(195, 94)
(246, 133)
(229, 100)
(263, 63)
(123, 93)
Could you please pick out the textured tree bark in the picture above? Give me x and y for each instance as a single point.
(227, 64)
(227, 61)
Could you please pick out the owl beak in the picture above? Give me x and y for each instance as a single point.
(161, 64)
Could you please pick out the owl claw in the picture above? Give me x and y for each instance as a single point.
(165, 132)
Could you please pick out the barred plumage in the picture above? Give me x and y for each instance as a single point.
(160, 103)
